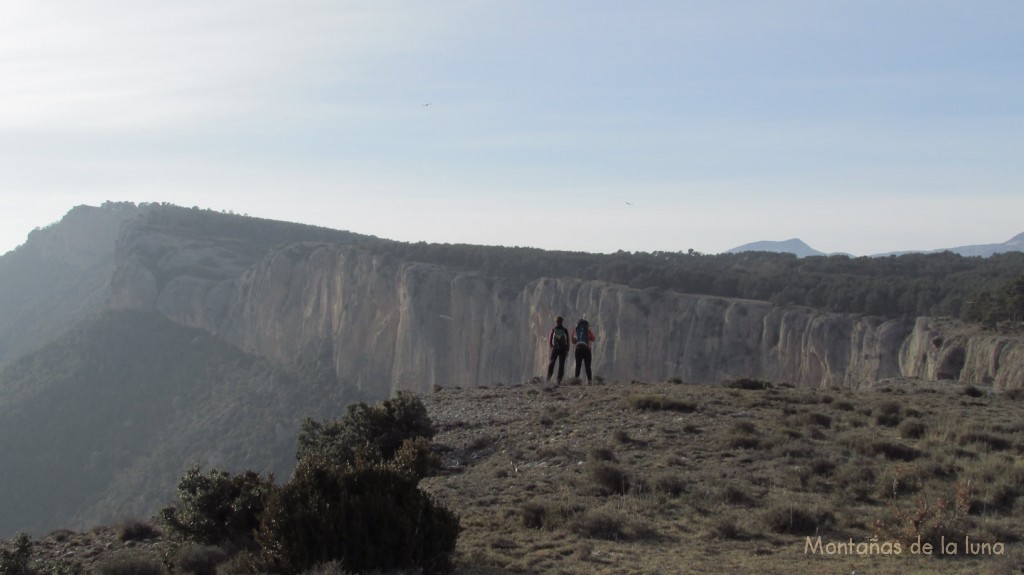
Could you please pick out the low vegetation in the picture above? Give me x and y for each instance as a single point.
(746, 478)
(353, 500)
(908, 477)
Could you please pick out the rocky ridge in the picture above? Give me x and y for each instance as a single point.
(382, 324)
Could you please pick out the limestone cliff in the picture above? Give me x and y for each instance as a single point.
(380, 323)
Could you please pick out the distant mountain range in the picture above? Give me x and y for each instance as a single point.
(797, 247)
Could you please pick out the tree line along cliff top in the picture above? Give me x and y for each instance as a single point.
(945, 284)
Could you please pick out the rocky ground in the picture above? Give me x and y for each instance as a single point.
(675, 478)
(678, 478)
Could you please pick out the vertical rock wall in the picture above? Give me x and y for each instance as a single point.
(380, 324)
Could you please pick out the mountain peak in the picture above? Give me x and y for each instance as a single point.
(794, 246)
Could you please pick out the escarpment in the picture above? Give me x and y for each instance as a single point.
(379, 323)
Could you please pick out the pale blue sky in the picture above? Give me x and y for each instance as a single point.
(858, 126)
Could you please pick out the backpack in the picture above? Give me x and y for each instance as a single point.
(583, 333)
(560, 338)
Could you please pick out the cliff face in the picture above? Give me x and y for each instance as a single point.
(380, 324)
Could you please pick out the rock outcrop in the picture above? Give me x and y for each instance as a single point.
(379, 323)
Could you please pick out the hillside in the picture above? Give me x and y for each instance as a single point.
(59, 276)
(670, 478)
(100, 423)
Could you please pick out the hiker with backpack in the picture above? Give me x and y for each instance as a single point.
(558, 341)
(581, 338)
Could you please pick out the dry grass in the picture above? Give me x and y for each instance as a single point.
(667, 478)
(678, 478)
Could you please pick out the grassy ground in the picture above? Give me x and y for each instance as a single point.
(676, 478)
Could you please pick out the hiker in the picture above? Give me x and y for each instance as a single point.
(581, 338)
(558, 341)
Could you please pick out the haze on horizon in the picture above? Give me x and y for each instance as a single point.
(857, 126)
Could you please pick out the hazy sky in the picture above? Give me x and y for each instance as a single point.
(859, 126)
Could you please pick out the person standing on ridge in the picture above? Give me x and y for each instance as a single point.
(581, 338)
(558, 342)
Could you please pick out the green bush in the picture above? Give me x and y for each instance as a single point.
(370, 432)
(368, 516)
(14, 560)
(416, 456)
(218, 507)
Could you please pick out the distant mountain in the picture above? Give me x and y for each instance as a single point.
(1014, 244)
(791, 246)
(802, 250)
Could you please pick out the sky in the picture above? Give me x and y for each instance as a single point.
(858, 126)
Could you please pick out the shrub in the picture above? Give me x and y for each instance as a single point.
(135, 530)
(743, 435)
(416, 456)
(14, 560)
(927, 520)
(661, 403)
(547, 515)
(987, 440)
(218, 507)
(61, 566)
(369, 516)
(603, 454)
(200, 559)
(972, 391)
(371, 432)
(733, 494)
(609, 479)
(818, 419)
(601, 525)
(781, 518)
(727, 527)
(744, 428)
(670, 484)
(912, 429)
(329, 568)
(243, 563)
(895, 451)
(622, 436)
(129, 564)
(747, 383)
(888, 414)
